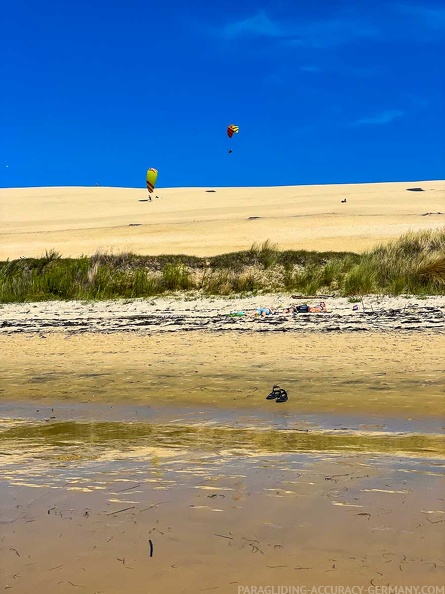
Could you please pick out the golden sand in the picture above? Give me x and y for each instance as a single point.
(76, 221)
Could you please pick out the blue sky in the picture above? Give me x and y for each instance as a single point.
(334, 91)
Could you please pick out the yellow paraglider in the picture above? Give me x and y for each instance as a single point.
(152, 176)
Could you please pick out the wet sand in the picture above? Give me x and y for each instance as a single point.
(399, 375)
(153, 462)
(102, 515)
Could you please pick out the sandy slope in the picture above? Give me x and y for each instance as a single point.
(77, 221)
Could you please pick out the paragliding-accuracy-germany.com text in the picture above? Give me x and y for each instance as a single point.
(341, 590)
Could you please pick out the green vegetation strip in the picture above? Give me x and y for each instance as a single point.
(413, 264)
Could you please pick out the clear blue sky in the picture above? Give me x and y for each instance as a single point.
(333, 91)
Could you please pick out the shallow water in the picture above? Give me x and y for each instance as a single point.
(92, 438)
(272, 417)
(84, 503)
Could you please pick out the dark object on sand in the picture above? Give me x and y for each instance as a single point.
(253, 218)
(277, 394)
(282, 397)
(343, 201)
(311, 296)
(302, 308)
(210, 190)
(415, 190)
(276, 390)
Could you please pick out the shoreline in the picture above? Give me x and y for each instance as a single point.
(209, 415)
(248, 432)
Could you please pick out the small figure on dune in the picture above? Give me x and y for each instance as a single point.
(344, 200)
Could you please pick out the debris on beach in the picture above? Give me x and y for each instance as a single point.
(311, 296)
(277, 394)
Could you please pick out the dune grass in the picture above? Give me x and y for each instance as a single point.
(413, 264)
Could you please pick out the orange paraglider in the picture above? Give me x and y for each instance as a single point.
(231, 130)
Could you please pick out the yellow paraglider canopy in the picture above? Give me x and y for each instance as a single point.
(152, 175)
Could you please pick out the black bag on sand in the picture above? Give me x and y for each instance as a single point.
(276, 391)
(277, 394)
(282, 397)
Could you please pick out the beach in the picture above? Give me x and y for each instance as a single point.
(192, 351)
(139, 451)
(151, 455)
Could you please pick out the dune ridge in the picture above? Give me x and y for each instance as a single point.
(79, 221)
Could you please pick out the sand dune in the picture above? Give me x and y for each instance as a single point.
(75, 220)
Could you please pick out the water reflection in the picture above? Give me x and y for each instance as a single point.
(81, 439)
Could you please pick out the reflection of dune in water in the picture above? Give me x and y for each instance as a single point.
(70, 441)
(77, 456)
